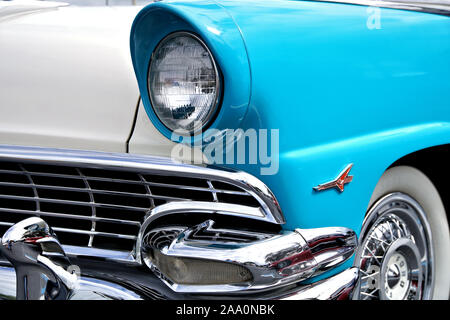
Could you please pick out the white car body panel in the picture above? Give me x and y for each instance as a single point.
(159, 145)
(66, 76)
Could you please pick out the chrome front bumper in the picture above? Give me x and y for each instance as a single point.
(275, 262)
(101, 286)
(34, 252)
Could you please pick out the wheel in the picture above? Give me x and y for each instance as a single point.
(404, 245)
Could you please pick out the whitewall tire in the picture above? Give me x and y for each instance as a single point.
(404, 250)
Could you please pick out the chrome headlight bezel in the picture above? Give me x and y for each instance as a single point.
(215, 105)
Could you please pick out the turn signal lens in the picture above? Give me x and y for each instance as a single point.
(189, 271)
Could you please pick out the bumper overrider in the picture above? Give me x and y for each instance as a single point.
(184, 249)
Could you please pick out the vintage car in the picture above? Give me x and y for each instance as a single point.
(268, 150)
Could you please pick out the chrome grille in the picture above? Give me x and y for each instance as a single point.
(95, 207)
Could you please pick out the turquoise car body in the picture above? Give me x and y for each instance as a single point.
(338, 91)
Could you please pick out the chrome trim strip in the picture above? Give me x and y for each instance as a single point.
(149, 164)
(338, 287)
(442, 8)
(113, 255)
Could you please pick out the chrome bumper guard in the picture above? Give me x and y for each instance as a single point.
(273, 262)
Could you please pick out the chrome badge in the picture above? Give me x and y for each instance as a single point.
(339, 182)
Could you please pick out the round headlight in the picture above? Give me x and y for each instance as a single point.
(183, 82)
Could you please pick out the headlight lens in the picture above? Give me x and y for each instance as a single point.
(183, 83)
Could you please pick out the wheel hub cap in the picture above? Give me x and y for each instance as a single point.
(395, 254)
(393, 275)
(397, 276)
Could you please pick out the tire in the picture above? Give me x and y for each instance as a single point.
(405, 198)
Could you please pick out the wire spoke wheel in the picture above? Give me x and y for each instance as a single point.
(395, 255)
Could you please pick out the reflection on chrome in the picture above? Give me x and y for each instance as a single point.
(271, 260)
(338, 287)
(287, 258)
(39, 261)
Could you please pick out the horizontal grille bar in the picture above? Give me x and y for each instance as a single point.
(96, 233)
(103, 234)
(89, 204)
(43, 186)
(69, 216)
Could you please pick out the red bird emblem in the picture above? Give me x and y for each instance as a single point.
(339, 182)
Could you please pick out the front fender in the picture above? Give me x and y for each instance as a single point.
(340, 92)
